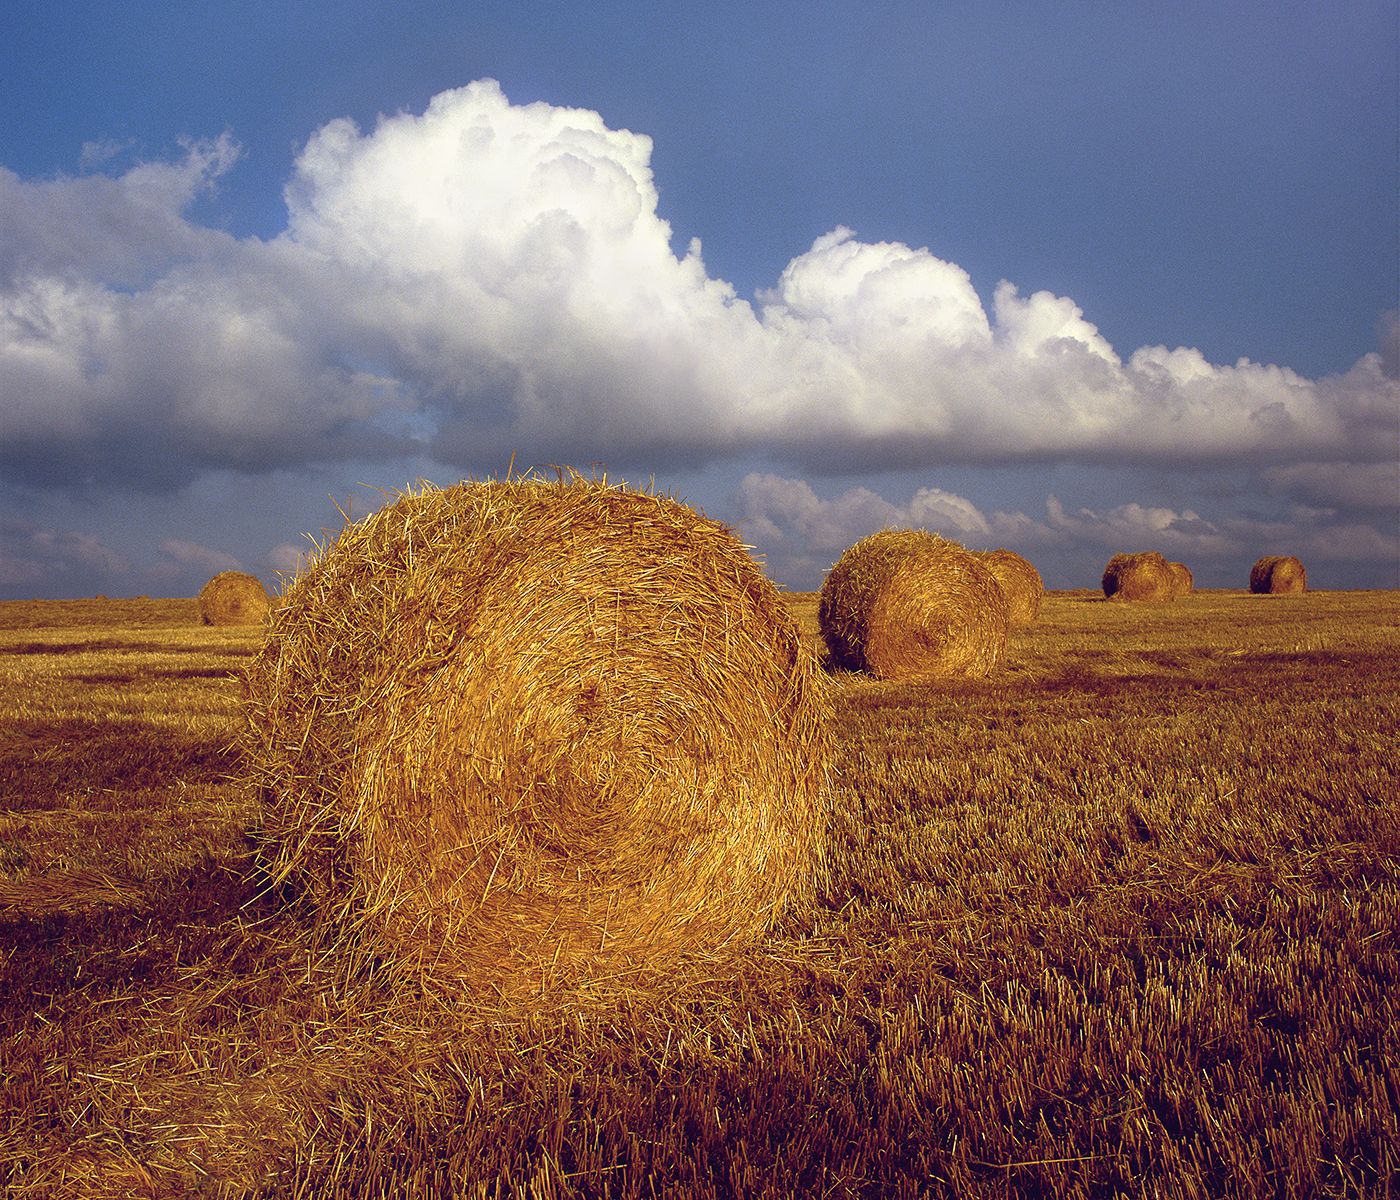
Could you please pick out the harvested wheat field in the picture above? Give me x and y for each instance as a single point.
(516, 731)
(907, 604)
(1118, 919)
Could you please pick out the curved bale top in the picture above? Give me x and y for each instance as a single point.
(1146, 576)
(1183, 581)
(908, 604)
(1277, 575)
(233, 598)
(1020, 583)
(527, 732)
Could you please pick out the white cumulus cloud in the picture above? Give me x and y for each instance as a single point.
(799, 533)
(1134, 527)
(192, 554)
(484, 278)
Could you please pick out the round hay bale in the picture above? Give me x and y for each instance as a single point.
(1183, 582)
(1020, 583)
(1278, 574)
(524, 732)
(1146, 576)
(908, 604)
(233, 598)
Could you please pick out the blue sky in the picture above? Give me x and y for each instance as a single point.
(1070, 278)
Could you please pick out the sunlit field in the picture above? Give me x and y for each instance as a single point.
(1119, 920)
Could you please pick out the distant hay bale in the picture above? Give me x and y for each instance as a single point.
(1277, 575)
(1183, 582)
(531, 731)
(908, 604)
(233, 598)
(1020, 583)
(1146, 576)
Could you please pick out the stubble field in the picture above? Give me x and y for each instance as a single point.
(1119, 920)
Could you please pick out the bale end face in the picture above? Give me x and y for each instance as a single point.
(233, 598)
(526, 732)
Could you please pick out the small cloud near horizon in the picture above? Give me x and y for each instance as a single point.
(800, 535)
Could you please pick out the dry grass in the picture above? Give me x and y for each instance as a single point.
(517, 731)
(908, 604)
(1279, 574)
(233, 598)
(1119, 920)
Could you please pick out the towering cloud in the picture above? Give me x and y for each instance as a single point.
(485, 278)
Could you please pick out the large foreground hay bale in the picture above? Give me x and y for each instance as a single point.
(1020, 583)
(1183, 581)
(233, 598)
(908, 604)
(529, 731)
(1146, 576)
(1278, 574)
